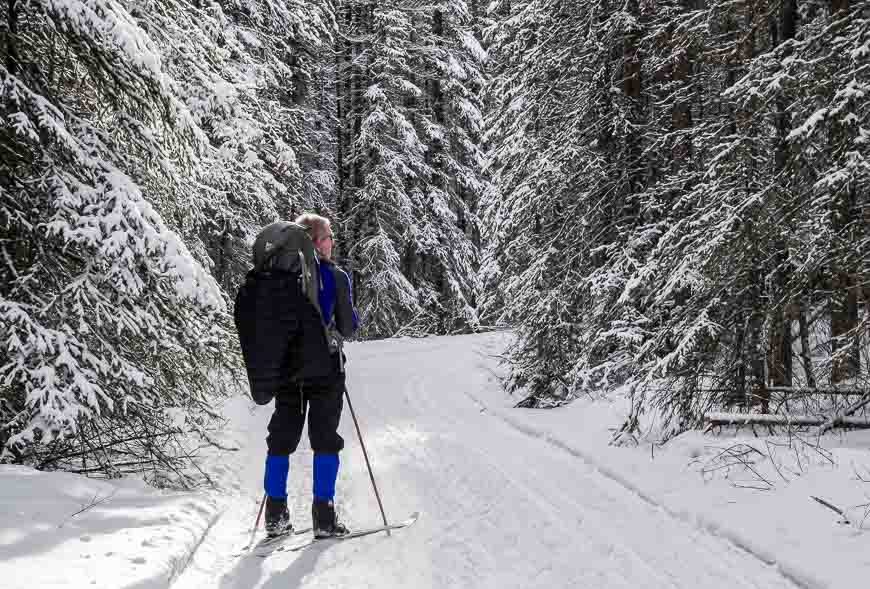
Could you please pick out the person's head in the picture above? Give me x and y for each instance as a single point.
(320, 230)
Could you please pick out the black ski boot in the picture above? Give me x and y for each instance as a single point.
(277, 517)
(323, 520)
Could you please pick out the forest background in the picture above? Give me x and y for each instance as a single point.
(664, 197)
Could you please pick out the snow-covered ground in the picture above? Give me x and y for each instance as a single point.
(509, 498)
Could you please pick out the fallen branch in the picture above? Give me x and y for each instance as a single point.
(833, 508)
(93, 503)
(104, 447)
(841, 417)
(812, 391)
(715, 418)
(738, 456)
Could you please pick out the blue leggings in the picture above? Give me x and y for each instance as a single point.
(325, 473)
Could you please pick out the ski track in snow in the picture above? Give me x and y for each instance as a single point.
(700, 521)
(502, 504)
(595, 465)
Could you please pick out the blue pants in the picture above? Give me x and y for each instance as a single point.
(325, 473)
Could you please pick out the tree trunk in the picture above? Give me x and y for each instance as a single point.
(681, 114)
(806, 351)
(838, 5)
(845, 359)
(344, 126)
(631, 87)
(758, 390)
(356, 111)
(343, 60)
(737, 394)
(779, 351)
(844, 319)
(12, 62)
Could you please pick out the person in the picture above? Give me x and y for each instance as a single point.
(321, 398)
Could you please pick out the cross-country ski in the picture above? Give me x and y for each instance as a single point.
(271, 542)
(291, 544)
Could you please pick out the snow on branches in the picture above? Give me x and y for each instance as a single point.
(143, 144)
(412, 164)
(685, 181)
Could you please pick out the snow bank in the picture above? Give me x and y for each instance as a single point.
(760, 501)
(66, 530)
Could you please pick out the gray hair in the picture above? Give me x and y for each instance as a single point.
(317, 226)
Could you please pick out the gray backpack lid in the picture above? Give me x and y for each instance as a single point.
(287, 246)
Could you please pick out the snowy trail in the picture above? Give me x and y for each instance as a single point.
(500, 508)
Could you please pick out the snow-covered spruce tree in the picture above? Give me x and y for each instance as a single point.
(109, 328)
(696, 275)
(515, 211)
(248, 73)
(385, 156)
(502, 103)
(834, 116)
(318, 159)
(692, 258)
(565, 156)
(448, 62)
(409, 180)
(762, 234)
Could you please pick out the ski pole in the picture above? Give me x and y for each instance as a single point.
(257, 521)
(260, 512)
(366, 456)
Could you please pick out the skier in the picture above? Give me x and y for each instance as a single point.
(322, 398)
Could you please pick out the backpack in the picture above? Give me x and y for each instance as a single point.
(277, 313)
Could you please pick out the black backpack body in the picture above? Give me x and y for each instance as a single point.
(277, 315)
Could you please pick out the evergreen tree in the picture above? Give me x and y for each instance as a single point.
(244, 70)
(104, 314)
(144, 144)
(450, 59)
(676, 187)
(563, 158)
(411, 165)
